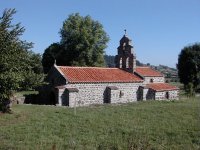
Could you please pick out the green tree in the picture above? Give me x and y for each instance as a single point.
(83, 41)
(33, 75)
(50, 55)
(189, 67)
(16, 61)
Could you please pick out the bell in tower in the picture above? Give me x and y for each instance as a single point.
(125, 59)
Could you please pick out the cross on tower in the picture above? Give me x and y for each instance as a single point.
(126, 58)
(125, 31)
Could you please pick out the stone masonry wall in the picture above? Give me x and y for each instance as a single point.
(155, 80)
(96, 93)
(114, 96)
(149, 94)
(160, 95)
(144, 94)
(73, 100)
(54, 78)
(172, 95)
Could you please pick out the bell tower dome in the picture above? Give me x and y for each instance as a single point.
(125, 59)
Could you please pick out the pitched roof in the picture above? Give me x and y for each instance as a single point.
(96, 74)
(147, 72)
(161, 87)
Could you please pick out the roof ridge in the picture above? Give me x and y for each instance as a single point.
(143, 67)
(161, 83)
(149, 67)
(86, 67)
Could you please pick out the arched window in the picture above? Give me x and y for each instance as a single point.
(120, 63)
(127, 62)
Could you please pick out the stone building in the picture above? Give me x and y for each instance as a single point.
(83, 86)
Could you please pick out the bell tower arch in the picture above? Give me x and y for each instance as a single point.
(125, 59)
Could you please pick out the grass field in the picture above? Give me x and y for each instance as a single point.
(141, 125)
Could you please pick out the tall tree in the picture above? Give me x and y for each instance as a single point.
(16, 61)
(189, 67)
(83, 41)
(49, 56)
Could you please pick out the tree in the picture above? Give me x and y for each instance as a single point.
(109, 61)
(16, 61)
(83, 41)
(33, 75)
(189, 67)
(50, 55)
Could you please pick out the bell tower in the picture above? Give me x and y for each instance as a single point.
(125, 59)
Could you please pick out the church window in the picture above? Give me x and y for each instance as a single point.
(121, 94)
(127, 62)
(120, 63)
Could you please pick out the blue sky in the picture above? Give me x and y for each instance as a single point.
(159, 29)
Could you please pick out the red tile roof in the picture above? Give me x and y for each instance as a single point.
(148, 72)
(97, 74)
(161, 87)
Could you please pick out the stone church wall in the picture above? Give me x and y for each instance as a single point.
(55, 78)
(172, 95)
(112, 95)
(160, 95)
(154, 80)
(144, 95)
(90, 93)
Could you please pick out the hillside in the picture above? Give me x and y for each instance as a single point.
(171, 74)
(141, 125)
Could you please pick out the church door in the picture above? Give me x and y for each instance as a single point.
(167, 95)
(52, 98)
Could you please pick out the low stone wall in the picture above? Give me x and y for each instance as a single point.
(17, 100)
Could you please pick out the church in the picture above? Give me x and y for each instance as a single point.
(83, 86)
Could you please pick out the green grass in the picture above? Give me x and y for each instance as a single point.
(141, 125)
